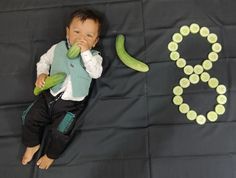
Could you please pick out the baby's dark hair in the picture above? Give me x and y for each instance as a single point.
(84, 14)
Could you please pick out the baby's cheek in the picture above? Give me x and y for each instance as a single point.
(72, 39)
(90, 42)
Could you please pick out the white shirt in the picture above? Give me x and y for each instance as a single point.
(92, 64)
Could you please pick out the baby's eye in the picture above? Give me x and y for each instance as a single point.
(76, 32)
(89, 35)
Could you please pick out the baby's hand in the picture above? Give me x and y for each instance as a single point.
(83, 44)
(40, 82)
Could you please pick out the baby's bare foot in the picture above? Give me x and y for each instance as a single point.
(44, 162)
(29, 153)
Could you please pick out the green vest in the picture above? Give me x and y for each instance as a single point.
(80, 78)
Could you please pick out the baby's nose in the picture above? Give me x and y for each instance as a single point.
(81, 37)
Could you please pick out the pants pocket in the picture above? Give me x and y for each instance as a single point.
(66, 123)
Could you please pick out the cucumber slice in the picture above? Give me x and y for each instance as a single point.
(204, 31)
(212, 38)
(201, 119)
(216, 47)
(212, 116)
(184, 30)
(207, 64)
(213, 82)
(184, 83)
(205, 77)
(191, 115)
(184, 108)
(178, 100)
(198, 69)
(221, 89)
(177, 37)
(174, 55)
(219, 109)
(194, 78)
(188, 69)
(173, 46)
(181, 63)
(194, 28)
(221, 99)
(213, 56)
(178, 90)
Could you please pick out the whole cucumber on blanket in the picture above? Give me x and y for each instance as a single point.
(127, 59)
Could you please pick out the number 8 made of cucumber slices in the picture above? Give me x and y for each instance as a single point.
(197, 73)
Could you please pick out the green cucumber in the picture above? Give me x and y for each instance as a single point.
(128, 60)
(73, 52)
(50, 81)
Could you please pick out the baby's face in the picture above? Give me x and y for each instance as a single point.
(83, 30)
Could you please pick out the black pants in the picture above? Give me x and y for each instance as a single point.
(58, 115)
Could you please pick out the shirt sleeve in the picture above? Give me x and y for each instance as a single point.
(43, 66)
(92, 64)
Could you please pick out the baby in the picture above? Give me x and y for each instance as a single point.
(60, 107)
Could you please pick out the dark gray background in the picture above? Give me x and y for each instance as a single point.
(131, 128)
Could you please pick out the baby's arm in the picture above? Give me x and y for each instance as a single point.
(43, 66)
(92, 63)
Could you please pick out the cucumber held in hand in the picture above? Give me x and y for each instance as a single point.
(51, 81)
(73, 52)
(126, 58)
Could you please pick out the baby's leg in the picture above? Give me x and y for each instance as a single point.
(29, 153)
(34, 122)
(60, 132)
